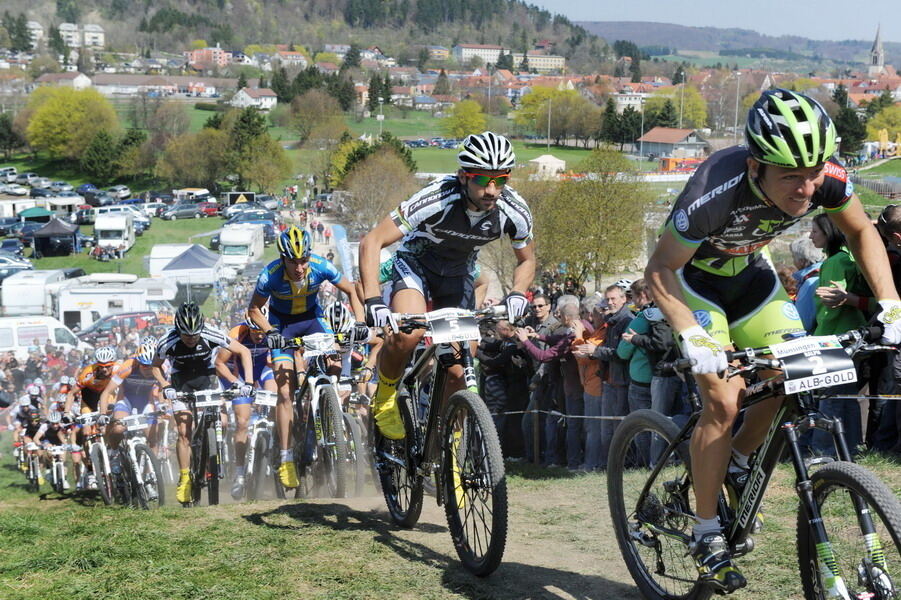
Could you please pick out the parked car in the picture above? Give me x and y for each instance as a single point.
(154, 209)
(119, 191)
(12, 246)
(140, 228)
(39, 192)
(70, 194)
(61, 186)
(83, 216)
(6, 223)
(41, 182)
(188, 210)
(99, 198)
(268, 202)
(230, 211)
(8, 174)
(16, 189)
(209, 209)
(26, 178)
(25, 231)
(100, 330)
(253, 215)
(214, 242)
(84, 188)
(157, 196)
(11, 264)
(250, 217)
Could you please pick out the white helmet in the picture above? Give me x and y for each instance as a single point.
(33, 390)
(146, 351)
(624, 284)
(105, 355)
(25, 401)
(338, 317)
(64, 380)
(487, 151)
(54, 416)
(38, 381)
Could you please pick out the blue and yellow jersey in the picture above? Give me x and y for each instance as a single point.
(288, 297)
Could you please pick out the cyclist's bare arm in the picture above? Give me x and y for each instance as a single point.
(108, 392)
(255, 312)
(660, 274)
(70, 399)
(867, 248)
(236, 347)
(157, 369)
(221, 364)
(524, 274)
(348, 288)
(384, 234)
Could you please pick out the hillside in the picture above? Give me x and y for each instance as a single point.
(396, 26)
(714, 39)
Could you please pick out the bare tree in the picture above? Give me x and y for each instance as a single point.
(377, 184)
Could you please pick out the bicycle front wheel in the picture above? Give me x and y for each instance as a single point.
(475, 488)
(213, 469)
(150, 491)
(862, 519)
(356, 459)
(401, 485)
(335, 451)
(653, 530)
(101, 474)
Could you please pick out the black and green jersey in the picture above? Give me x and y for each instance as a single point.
(726, 218)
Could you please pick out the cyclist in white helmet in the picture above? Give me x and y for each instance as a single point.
(139, 393)
(441, 229)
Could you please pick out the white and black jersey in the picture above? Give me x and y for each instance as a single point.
(446, 239)
(197, 360)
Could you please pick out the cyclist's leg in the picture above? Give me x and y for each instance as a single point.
(455, 292)
(115, 429)
(242, 408)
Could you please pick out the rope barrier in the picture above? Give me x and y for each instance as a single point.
(557, 414)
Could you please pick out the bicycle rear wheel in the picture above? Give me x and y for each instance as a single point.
(653, 532)
(59, 476)
(334, 454)
(475, 488)
(213, 469)
(151, 493)
(101, 474)
(356, 460)
(401, 485)
(868, 564)
(200, 452)
(34, 473)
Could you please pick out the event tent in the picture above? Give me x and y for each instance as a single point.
(194, 266)
(56, 238)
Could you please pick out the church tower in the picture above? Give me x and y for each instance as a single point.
(877, 57)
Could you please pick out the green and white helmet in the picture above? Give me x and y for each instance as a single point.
(791, 130)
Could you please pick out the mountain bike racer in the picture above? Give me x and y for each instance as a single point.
(290, 284)
(442, 228)
(712, 277)
(250, 335)
(189, 346)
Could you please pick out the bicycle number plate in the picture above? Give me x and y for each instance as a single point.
(265, 398)
(452, 325)
(318, 343)
(208, 403)
(814, 362)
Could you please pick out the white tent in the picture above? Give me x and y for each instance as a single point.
(161, 255)
(548, 166)
(194, 266)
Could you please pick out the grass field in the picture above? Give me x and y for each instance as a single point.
(891, 168)
(560, 545)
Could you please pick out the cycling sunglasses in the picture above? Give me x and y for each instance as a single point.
(483, 180)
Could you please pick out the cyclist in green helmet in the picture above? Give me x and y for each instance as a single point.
(712, 277)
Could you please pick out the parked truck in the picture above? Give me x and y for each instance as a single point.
(241, 244)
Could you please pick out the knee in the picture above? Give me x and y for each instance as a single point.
(722, 411)
(405, 342)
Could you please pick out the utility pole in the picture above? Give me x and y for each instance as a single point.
(381, 116)
(488, 66)
(549, 124)
(737, 97)
(681, 98)
(641, 133)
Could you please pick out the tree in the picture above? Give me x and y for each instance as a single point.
(689, 99)
(594, 225)
(679, 75)
(423, 58)
(242, 81)
(465, 117)
(311, 109)
(884, 100)
(10, 140)
(442, 85)
(386, 89)
(610, 123)
(840, 95)
(68, 10)
(263, 165)
(505, 61)
(99, 159)
(352, 58)
(888, 119)
(280, 85)
(629, 126)
(375, 88)
(64, 120)
(168, 119)
(635, 70)
(665, 116)
(851, 129)
(132, 154)
(195, 159)
(56, 44)
(524, 65)
(377, 184)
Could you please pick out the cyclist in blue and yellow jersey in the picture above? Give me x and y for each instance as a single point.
(140, 392)
(290, 285)
(252, 337)
(713, 279)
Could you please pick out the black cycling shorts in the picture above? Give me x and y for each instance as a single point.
(441, 290)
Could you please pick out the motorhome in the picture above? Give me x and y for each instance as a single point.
(241, 244)
(27, 293)
(82, 301)
(115, 231)
(193, 195)
(18, 334)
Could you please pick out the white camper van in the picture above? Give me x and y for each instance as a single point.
(82, 301)
(115, 231)
(27, 293)
(241, 244)
(17, 334)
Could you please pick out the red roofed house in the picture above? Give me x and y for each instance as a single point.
(261, 98)
(673, 143)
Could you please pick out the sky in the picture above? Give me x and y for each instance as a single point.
(829, 20)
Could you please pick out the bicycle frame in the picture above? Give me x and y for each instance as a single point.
(315, 380)
(260, 426)
(202, 420)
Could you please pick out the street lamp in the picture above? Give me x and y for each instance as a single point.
(549, 124)
(737, 97)
(641, 130)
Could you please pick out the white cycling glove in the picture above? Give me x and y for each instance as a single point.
(517, 305)
(890, 317)
(706, 354)
(169, 393)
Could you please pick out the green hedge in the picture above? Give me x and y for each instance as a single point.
(209, 106)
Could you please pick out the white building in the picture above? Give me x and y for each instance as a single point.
(36, 32)
(542, 63)
(261, 98)
(93, 36)
(625, 99)
(70, 34)
(463, 53)
(76, 80)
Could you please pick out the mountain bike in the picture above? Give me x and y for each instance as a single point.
(261, 451)
(135, 467)
(96, 449)
(20, 455)
(848, 522)
(359, 453)
(206, 442)
(320, 445)
(456, 441)
(33, 470)
(164, 452)
(58, 480)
